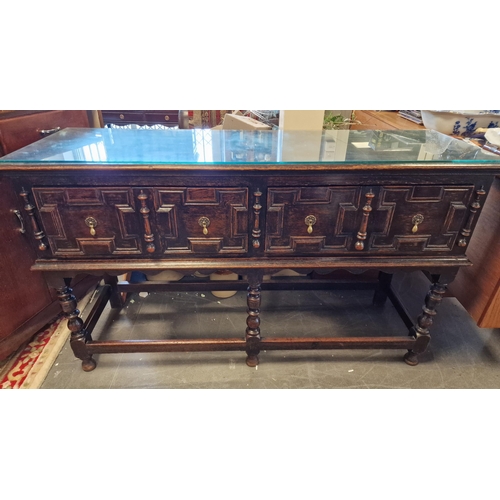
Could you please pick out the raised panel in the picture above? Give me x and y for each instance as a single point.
(442, 208)
(334, 208)
(63, 212)
(178, 211)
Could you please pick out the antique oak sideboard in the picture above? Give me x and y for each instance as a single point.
(107, 201)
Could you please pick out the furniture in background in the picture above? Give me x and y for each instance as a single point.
(478, 287)
(27, 302)
(166, 118)
(254, 204)
(20, 128)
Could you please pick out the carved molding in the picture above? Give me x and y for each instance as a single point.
(63, 212)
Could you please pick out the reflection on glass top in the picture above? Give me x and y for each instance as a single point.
(204, 146)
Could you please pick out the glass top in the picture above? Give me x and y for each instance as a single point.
(210, 147)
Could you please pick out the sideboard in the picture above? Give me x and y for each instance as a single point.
(109, 201)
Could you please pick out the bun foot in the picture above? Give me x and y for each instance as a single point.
(252, 361)
(411, 358)
(88, 365)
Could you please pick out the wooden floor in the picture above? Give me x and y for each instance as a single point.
(383, 120)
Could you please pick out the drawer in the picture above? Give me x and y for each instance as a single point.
(418, 218)
(199, 220)
(170, 117)
(330, 220)
(321, 219)
(126, 221)
(117, 117)
(67, 215)
(19, 131)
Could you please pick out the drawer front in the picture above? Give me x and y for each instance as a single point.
(169, 117)
(166, 117)
(68, 214)
(332, 220)
(201, 220)
(17, 132)
(123, 116)
(321, 219)
(418, 218)
(126, 221)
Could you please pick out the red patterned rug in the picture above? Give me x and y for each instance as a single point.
(16, 370)
(28, 367)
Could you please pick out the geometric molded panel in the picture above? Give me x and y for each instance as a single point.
(443, 210)
(177, 214)
(334, 208)
(63, 212)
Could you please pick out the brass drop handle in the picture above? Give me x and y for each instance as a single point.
(310, 220)
(416, 220)
(92, 223)
(204, 222)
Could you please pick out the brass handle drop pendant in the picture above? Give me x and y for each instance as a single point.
(310, 220)
(416, 220)
(204, 222)
(92, 223)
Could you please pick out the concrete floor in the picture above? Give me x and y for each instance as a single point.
(460, 354)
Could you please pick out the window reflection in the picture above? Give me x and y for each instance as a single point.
(202, 145)
(95, 152)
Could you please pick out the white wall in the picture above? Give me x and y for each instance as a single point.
(301, 120)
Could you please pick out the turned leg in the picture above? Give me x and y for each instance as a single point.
(252, 336)
(421, 329)
(79, 336)
(384, 283)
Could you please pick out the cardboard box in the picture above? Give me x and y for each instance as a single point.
(237, 122)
